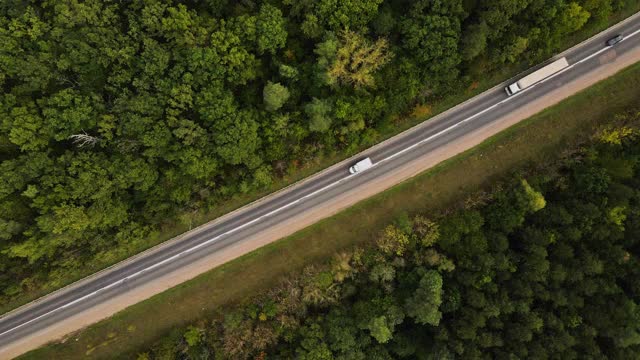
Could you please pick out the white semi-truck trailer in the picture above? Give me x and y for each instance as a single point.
(536, 76)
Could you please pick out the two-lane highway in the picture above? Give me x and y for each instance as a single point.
(315, 192)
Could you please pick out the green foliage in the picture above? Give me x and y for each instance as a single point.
(393, 241)
(319, 113)
(514, 49)
(380, 329)
(337, 15)
(617, 216)
(403, 223)
(615, 136)
(385, 22)
(535, 198)
(427, 231)
(193, 336)
(275, 95)
(424, 304)
(237, 138)
(474, 41)
(288, 72)
(431, 33)
(326, 52)
(270, 29)
(573, 17)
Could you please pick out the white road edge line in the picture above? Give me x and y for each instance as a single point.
(216, 238)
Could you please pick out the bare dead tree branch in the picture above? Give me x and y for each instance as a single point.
(84, 139)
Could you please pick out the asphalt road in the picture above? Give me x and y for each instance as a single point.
(311, 193)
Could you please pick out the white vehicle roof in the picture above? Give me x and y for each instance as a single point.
(364, 163)
(361, 165)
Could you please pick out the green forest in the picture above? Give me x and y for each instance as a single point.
(117, 116)
(546, 266)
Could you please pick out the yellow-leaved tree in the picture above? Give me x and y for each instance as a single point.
(357, 59)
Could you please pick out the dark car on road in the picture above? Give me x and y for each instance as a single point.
(614, 40)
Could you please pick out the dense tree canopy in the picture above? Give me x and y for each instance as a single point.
(546, 268)
(118, 115)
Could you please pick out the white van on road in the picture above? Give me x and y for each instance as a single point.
(361, 165)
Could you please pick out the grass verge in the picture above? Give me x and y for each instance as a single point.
(538, 139)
